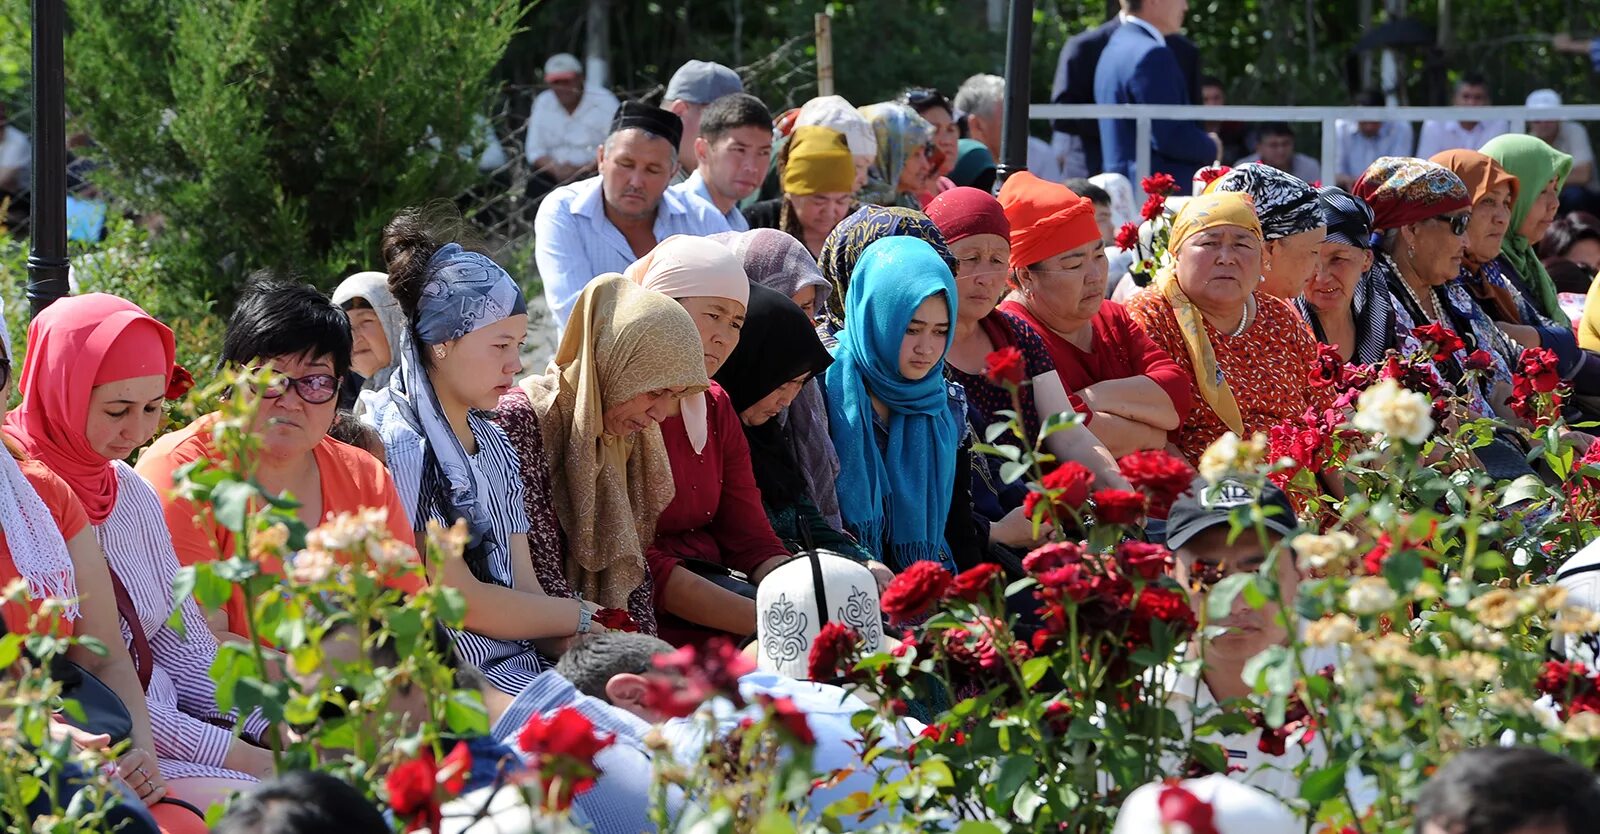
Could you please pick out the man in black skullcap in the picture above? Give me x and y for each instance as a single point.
(604, 223)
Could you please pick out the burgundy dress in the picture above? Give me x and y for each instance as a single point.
(716, 514)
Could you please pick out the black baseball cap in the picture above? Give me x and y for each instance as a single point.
(1211, 505)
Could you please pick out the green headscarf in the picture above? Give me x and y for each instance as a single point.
(1534, 164)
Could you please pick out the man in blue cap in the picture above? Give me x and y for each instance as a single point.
(695, 85)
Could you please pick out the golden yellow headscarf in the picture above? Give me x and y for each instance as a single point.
(1208, 211)
(819, 162)
(621, 341)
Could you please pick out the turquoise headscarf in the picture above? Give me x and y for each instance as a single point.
(1534, 163)
(905, 490)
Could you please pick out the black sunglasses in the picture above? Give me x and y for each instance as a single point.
(919, 97)
(1458, 222)
(315, 389)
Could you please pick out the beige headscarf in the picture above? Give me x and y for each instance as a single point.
(693, 267)
(621, 341)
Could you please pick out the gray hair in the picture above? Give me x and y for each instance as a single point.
(981, 94)
(591, 663)
(612, 136)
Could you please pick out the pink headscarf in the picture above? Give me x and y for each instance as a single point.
(74, 345)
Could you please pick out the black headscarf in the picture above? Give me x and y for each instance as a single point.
(778, 343)
(1349, 221)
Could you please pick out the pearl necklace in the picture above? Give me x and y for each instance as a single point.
(1244, 321)
(1438, 314)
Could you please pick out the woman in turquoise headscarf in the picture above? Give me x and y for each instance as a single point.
(902, 168)
(896, 424)
(1541, 171)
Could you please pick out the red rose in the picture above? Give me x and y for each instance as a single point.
(914, 591)
(1052, 556)
(788, 718)
(1156, 604)
(1005, 367)
(1328, 368)
(455, 769)
(832, 652)
(1160, 476)
(561, 752)
(1070, 483)
(971, 585)
(1538, 366)
(1178, 806)
(1144, 560)
(691, 677)
(413, 791)
(1478, 360)
(616, 619)
(1213, 173)
(1118, 506)
(1128, 236)
(1158, 184)
(1440, 340)
(1152, 207)
(1058, 717)
(182, 381)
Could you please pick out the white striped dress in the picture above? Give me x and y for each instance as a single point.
(510, 665)
(181, 695)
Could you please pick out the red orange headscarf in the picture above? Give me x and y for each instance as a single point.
(74, 345)
(1046, 219)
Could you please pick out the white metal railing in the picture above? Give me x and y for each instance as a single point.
(1144, 114)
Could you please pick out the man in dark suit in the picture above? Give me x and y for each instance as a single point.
(1074, 84)
(1137, 67)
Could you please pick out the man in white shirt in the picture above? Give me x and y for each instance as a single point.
(568, 121)
(1361, 143)
(605, 223)
(1569, 138)
(1439, 136)
(16, 157)
(733, 151)
(1275, 147)
(695, 85)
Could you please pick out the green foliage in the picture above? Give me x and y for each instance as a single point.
(281, 134)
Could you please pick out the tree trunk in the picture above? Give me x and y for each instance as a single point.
(597, 43)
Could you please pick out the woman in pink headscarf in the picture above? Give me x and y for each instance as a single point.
(98, 370)
(716, 521)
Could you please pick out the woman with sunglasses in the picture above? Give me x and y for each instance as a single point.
(304, 339)
(936, 110)
(903, 166)
(466, 320)
(98, 371)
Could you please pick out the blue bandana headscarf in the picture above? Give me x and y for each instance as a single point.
(903, 491)
(465, 291)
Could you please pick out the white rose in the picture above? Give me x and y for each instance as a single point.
(1370, 595)
(1228, 454)
(1322, 552)
(1388, 409)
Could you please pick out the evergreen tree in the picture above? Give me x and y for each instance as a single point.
(281, 133)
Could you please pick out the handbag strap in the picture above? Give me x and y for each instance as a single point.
(139, 646)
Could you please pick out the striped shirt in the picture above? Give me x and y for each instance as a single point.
(510, 665)
(182, 697)
(574, 241)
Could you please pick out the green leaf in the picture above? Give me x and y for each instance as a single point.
(1033, 670)
(1012, 471)
(978, 827)
(1274, 667)
(1403, 570)
(10, 649)
(776, 822)
(182, 589)
(230, 501)
(1525, 488)
(1322, 785)
(465, 715)
(1219, 603)
(1028, 801)
(1014, 771)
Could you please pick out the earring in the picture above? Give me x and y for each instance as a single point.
(438, 351)
(1411, 253)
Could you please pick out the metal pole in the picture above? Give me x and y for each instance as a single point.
(1014, 133)
(47, 259)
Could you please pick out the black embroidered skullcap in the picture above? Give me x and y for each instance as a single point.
(651, 120)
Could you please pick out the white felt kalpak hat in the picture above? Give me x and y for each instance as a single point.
(798, 597)
(1236, 808)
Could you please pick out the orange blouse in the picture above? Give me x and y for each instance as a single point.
(352, 480)
(70, 519)
(1268, 367)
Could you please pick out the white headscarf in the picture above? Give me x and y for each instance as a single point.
(692, 267)
(373, 287)
(834, 112)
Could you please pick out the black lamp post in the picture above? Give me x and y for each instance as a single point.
(1014, 133)
(47, 257)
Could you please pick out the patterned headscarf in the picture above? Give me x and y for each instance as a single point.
(1534, 164)
(1349, 221)
(1403, 190)
(1208, 211)
(858, 231)
(1285, 204)
(465, 291)
(1348, 217)
(901, 133)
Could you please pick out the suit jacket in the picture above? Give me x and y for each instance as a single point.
(1074, 82)
(1136, 68)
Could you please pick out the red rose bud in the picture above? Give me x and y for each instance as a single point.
(1161, 476)
(1128, 236)
(616, 619)
(1211, 174)
(1005, 367)
(1118, 506)
(413, 791)
(1478, 360)
(832, 652)
(1158, 184)
(1539, 367)
(1180, 807)
(182, 382)
(1441, 340)
(790, 719)
(970, 585)
(1071, 482)
(1152, 207)
(914, 591)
